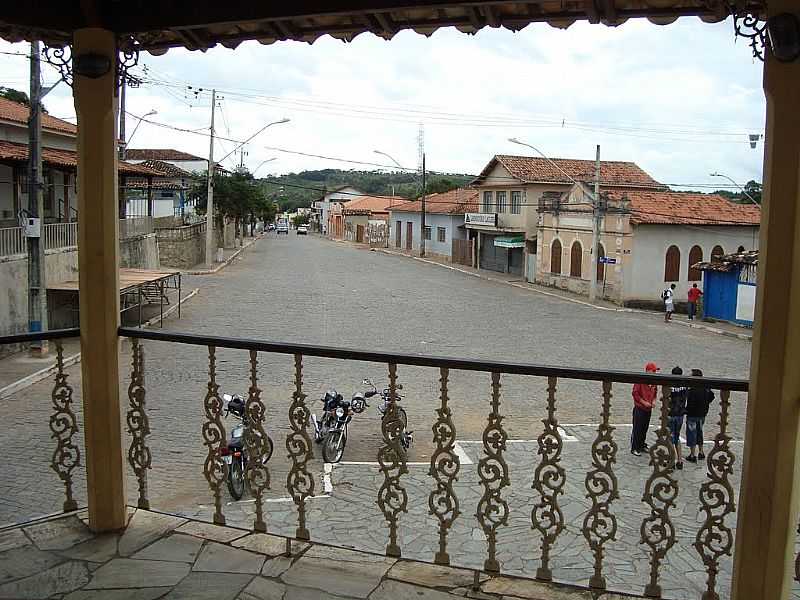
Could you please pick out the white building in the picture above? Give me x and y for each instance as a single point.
(321, 208)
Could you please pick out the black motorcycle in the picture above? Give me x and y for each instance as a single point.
(331, 428)
(235, 454)
(406, 436)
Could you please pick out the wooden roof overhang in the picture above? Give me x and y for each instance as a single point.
(202, 24)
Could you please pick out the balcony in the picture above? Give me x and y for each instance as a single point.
(510, 517)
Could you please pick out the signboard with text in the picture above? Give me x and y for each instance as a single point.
(608, 260)
(489, 219)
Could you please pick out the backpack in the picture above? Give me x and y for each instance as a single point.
(665, 294)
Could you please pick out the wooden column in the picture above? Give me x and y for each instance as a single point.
(768, 501)
(98, 233)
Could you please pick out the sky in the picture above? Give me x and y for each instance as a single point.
(679, 100)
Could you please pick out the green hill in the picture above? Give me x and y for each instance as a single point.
(300, 189)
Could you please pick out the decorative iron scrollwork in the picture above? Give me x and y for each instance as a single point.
(599, 525)
(64, 426)
(259, 445)
(61, 59)
(715, 538)
(548, 480)
(214, 468)
(139, 455)
(392, 497)
(493, 473)
(299, 481)
(661, 490)
(749, 26)
(127, 59)
(443, 502)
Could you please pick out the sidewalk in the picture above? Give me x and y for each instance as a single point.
(228, 256)
(726, 329)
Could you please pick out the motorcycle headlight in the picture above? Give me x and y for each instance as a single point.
(340, 412)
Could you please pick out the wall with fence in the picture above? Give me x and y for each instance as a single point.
(182, 247)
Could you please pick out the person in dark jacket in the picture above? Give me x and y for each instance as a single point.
(698, 400)
(644, 397)
(677, 410)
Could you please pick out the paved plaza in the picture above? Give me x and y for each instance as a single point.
(311, 290)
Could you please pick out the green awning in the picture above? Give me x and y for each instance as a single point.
(517, 241)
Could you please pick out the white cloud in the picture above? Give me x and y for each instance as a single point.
(663, 87)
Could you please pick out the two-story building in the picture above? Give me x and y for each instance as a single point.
(321, 209)
(648, 240)
(505, 227)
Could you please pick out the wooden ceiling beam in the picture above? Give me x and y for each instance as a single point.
(610, 11)
(386, 21)
(591, 12)
(491, 17)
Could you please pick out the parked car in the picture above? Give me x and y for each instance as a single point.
(302, 230)
(271, 227)
(283, 227)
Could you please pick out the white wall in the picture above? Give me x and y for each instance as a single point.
(19, 134)
(645, 279)
(6, 192)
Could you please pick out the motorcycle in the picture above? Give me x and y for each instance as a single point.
(235, 453)
(331, 428)
(406, 436)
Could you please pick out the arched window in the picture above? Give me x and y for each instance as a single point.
(672, 264)
(716, 253)
(695, 256)
(575, 259)
(601, 267)
(555, 257)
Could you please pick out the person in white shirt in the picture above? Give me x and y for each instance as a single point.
(669, 307)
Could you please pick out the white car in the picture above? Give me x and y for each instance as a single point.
(302, 230)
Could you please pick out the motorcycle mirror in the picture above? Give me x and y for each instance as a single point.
(366, 382)
(227, 397)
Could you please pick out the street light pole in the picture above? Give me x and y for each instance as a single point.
(597, 212)
(734, 183)
(422, 241)
(210, 190)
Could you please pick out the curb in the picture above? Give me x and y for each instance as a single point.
(74, 359)
(741, 336)
(36, 377)
(227, 261)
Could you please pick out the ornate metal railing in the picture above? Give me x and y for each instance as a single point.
(600, 523)
(63, 423)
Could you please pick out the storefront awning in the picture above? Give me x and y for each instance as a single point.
(517, 241)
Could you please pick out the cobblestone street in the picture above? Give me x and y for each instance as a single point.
(309, 290)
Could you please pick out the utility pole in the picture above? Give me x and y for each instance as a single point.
(596, 219)
(37, 286)
(210, 198)
(422, 240)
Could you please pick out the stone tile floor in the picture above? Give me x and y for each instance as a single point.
(170, 557)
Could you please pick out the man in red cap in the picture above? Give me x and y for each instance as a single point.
(644, 397)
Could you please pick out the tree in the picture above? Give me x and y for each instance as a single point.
(236, 196)
(301, 219)
(753, 188)
(19, 97)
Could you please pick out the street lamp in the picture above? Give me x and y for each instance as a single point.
(284, 120)
(263, 162)
(734, 183)
(422, 237)
(596, 214)
(130, 137)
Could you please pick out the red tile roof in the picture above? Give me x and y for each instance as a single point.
(369, 204)
(686, 208)
(532, 169)
(454, 202)
(19, 113)
(159, 154)
(166, 168)
(67, 159)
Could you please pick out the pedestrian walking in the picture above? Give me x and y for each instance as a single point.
(668, 296)
(677, 411)
(694, 295)
(698, 400)
(644, 397)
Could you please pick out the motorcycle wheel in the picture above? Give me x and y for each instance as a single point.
(236, 481)
(333, 446)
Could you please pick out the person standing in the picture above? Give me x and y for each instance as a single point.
(698, 401)
(644, 397)
(668, 296)
(694, 295)
(677, 410)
